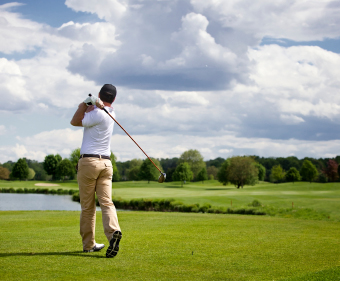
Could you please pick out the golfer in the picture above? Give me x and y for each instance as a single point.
(95, 170)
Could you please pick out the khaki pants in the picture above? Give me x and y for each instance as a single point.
(95, 176)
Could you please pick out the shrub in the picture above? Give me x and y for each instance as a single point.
(255, 203)
(205, 208)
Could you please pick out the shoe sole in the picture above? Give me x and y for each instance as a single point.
(113, 249)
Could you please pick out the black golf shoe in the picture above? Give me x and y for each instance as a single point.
(96, 248)
(113, 249)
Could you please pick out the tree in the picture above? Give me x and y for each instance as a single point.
(8, 165)
(40, 173)
(75, 156)
(148, 171)
(223, 172)
(51, 163)
(262, 171)
(115, 173)
(308, 171)
(169, 174)
(331, 171)
(293, 175)
(212, 172)
(20, 169)
(319, 164)
(183, 173)
(65, 168)
(4, 173)
(168, 163)
(133, 170)
(31, 174)
(133, 174)
(215, 162)
(277, 173)
(242, 171)
(194, 159)
(58, 157)
(202, 175)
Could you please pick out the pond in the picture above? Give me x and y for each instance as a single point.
(37, 202)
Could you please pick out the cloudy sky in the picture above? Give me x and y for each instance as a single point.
(236, 77)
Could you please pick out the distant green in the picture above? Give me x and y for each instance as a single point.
(323, 198)
(45, 245)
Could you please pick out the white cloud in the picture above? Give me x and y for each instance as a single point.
(319, 109)
(167, 146)
(197, 42)
(183, 56)
(100, 33)
(14, 93)
(225, 151)
(16, 33)
(37, 146)
(291, 119)
(188, 75)
(187, 99)
(299, 72)
(295, 20)
(110, 10)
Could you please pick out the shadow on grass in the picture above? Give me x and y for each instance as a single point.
(173, 186)
(75, 253)
(226, 188)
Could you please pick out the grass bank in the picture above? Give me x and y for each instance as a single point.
(170, 246)
(299, 200)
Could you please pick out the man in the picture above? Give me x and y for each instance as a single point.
(95, 170)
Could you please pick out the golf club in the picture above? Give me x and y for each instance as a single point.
(163, 175)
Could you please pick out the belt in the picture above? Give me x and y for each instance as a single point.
(95, 156)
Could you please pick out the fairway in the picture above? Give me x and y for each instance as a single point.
(321, 198)
(169, 246)
(317, 196)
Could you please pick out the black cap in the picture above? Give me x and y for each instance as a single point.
(108, 93)
(108, 88)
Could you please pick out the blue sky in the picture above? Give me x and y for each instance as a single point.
(236, 77)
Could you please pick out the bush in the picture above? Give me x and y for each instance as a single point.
(255, 203)
(204, 208)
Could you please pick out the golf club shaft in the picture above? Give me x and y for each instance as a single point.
(132, 139)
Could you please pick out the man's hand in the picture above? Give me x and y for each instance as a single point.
(90, 100)
(99, 103)
(93, 100)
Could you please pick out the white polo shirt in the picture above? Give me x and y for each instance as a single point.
(98, 128)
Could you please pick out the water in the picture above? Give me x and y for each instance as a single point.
(37, 202)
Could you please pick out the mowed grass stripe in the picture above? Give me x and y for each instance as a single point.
(322, 198)
(168, 246)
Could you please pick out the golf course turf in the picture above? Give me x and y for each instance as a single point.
(46, 245)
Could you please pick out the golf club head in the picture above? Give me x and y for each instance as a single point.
(162, 178)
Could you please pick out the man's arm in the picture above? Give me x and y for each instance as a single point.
(79, 115)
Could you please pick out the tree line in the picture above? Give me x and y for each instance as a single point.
(190, 166)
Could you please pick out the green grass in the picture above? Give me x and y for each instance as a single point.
(183, 246)
(314, 201)
(32, 184)
(170, 246)
(322, 198)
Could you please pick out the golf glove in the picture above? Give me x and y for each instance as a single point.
(90, 100)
